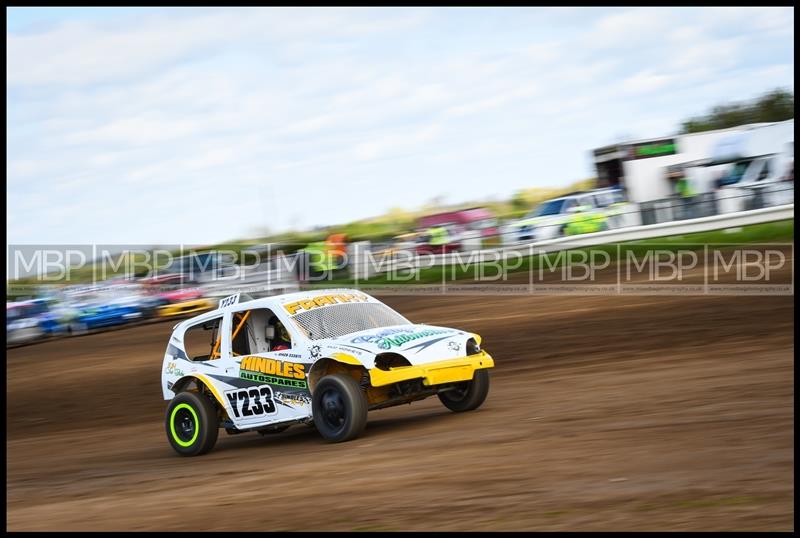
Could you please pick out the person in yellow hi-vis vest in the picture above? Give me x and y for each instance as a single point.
(439, 236)
(684, 190)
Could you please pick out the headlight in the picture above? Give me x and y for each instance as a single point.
(387, 361)
(473, 347)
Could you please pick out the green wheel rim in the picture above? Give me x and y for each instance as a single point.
(175, 436)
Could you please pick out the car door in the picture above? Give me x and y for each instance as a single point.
(594, 216)
(273, 386)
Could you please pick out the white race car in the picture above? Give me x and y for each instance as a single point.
(323, 357)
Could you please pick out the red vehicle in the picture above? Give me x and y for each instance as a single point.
(176, 297)
(172, 288)
(473, 218)
(476, 223)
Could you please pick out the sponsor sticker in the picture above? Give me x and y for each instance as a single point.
(324, 300)
(293, 399)
(172, 369)
(389, 338)
(274, 372)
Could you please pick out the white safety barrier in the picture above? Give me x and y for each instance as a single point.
(620, 235)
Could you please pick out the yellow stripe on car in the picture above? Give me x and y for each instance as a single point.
(345, 358)
(211, 387)
(434, 373)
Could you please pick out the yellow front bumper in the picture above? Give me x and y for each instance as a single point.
(434, 373)
(186, 307)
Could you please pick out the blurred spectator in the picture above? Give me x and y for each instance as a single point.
(437, 239)
(682, 189)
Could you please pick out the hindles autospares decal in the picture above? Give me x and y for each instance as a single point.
(273, 380)
(273, 372)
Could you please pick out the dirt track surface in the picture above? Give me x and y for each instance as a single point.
(605, 413)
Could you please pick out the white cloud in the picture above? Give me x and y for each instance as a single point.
(80, 53)
(396, 143)
(645, 81)
(133, 131)
(631, 27)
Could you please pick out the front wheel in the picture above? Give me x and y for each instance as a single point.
(340, 408)
(468, 395)
(192, 424)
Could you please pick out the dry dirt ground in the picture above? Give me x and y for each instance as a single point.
(605, 413)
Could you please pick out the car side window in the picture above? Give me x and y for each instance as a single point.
(604, 199)
(202, 341)
(568, 204)
(765, 171)
(258, 331)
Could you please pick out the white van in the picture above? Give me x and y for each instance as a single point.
(750, 166)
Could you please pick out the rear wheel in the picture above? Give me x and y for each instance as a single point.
(192, 424)
(77, 328)
(340, 408)
(468, 395)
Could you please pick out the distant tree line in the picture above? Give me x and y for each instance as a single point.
(777, 105)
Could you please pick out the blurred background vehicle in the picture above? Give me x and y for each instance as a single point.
(92, 311)
(747, 168)
(27, 321)
(575, 213)
(174, 295)
(461, 230)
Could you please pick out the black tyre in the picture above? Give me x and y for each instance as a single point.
(192, 424)
(468, 395)
(77, 328)
(340, 408)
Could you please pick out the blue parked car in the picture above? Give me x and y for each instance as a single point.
(95, 314)
(32, 320)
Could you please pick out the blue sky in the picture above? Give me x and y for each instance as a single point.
(202, 125)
